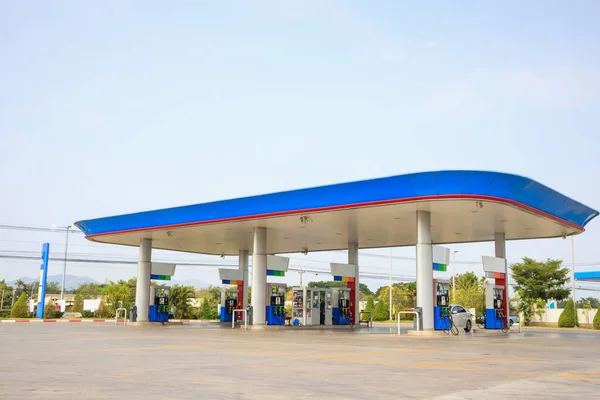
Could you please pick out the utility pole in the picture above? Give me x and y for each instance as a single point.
(300, 272)
(453, 282)
(573, 273)
(391, 316)
(62, 286)
(12, 302)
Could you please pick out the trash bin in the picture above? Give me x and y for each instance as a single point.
(249, 312)
(133, 314)
(418, 310)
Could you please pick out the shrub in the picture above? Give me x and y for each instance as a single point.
(102, 311)
(87, 314)
(78, 303)
(19, 309)
(4, 314)
(567, 318)
(50, 310)
(381, 313)
(597, 320)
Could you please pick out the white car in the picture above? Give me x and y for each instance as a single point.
(461, 317)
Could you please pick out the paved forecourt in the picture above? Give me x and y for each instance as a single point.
(185, 361)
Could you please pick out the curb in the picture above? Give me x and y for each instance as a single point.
(192, 321)
(112, 320)
(8, 321)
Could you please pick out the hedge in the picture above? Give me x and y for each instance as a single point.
(567, 318)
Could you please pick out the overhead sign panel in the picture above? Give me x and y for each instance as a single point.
(163, 269)
(277, 266)
(441, 258)
(348, 270)
(343, 272)
(494, 264)
(229, 274)
(277, 263)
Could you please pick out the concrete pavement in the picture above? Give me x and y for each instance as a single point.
(96, 361)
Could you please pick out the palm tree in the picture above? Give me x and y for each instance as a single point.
(180, 297)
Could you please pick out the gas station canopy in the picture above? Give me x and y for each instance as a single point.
(589, 276)
(465, 206)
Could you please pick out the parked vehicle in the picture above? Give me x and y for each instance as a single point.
(461, 317)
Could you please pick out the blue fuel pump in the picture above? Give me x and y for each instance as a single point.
(229, 302)
(159, 310)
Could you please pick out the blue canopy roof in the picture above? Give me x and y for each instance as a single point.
(493, 186)
(587, 276)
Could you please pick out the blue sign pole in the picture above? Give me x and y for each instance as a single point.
(43, 277)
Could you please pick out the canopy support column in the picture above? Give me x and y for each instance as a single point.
(142, 286)
(243, 266)
(500, 246)
(425, 268)
(259, 276)
(353, 259)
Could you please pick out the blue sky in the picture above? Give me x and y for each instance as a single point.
(113, 107)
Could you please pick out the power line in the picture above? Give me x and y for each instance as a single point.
(296, 268)
(38, 228)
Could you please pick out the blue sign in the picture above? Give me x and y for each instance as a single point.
(43, 277)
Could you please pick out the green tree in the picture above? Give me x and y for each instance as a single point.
(409, 294)
(381, 313)
(470, 291)
(206, 311)
(180, 300)
(52, 288)
(402, 293)
(370, 307)
(597, 320)
(78, 303)
(50, 310)
(537, 282)
(7, 291)
(567, 318)
(22, 287)
(593, 302)
(529, 307)
(19, 309)
(364, 289)
(397, 297)
(117, 295)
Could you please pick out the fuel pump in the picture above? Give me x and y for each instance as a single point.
(159, 304)
(341, 312)
(495, 314)
(229, 302)
(275, 313)
(441, 310)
